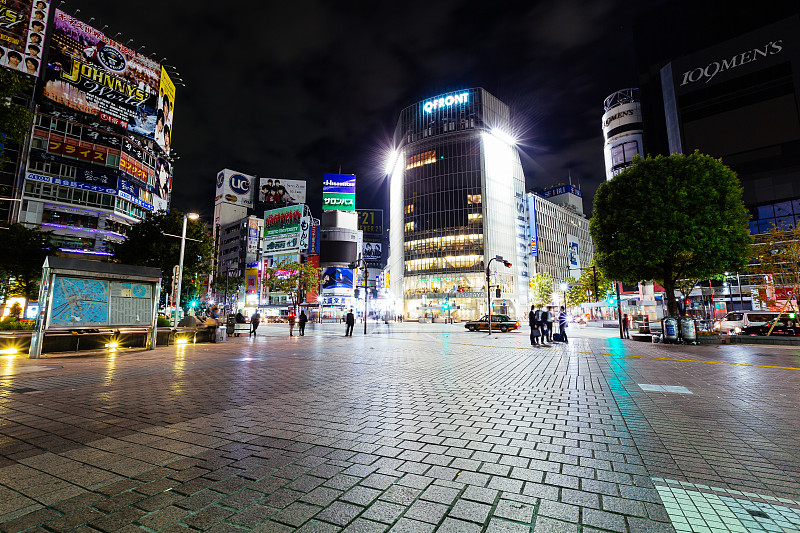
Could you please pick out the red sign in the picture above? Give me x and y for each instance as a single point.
(73, 150)
(133, 167)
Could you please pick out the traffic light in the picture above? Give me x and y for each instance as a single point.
(497, 293)
(356, 293)
(352, 265)
(193, 304)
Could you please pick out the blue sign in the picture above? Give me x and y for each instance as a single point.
(134, 200)
(128, 187)
(337, 278)
(239, 184)
(562, 189)
(70, 183)
(532, 224)
(339, 183)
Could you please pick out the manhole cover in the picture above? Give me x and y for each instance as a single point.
(759, 514)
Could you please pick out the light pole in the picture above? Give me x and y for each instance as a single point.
(489, 286)
(186, 216)
(354, 265)
(564, 288)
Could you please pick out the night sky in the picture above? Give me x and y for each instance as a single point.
(296, 89)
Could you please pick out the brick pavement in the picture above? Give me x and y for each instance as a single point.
(414, 428)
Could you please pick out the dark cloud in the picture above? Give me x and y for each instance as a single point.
(296, 89)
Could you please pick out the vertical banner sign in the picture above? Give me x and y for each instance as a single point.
(574, 257)
(532, 221)
(305, 227)
(339, 192)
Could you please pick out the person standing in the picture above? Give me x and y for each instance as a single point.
(349, 321)
(547, 319)
(534, 327)
(302, 322)
(240, 319)
(626, 322)
(563, 321)
(292, 321)
(255, 320)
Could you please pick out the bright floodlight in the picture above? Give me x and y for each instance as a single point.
(504, 136)
(193, 216)
(390, 162)
(563, 287)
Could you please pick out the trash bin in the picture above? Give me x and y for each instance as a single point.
(230, 323)
(669, 328)
(689, 330)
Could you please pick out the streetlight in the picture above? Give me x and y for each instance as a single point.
(354, 265)
(564, 288)
(488, 284)
(186, 216)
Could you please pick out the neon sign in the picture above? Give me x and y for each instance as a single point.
(445, 101)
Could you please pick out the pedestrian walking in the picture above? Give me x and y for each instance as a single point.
(292, 321)
(626, 322)
(563, 321)
(255, 320)
(302, 322)
(350, 321)
(535, 333)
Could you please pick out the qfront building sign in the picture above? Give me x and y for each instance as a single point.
(339, 192)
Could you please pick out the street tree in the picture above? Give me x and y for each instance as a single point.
(776, 257)
(670, 219)
(25, 250)
(541, 286)
(294, 279)
(583, 289)
(15, 119)
(152, 243)
(226, 286)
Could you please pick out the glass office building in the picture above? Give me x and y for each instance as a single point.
(457, 200)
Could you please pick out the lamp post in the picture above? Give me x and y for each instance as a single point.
(489, 286)
(354, 265)
(186, 216)
(564, 288)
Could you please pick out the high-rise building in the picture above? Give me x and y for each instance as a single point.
(98, 159)
(622, 130)
(729, 87)
(457, 200)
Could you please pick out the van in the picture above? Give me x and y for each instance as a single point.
(735, 321)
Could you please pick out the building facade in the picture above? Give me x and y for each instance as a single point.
(622, 130)
(560, 243)
(457, 201)
(96, 162)
(730, 88)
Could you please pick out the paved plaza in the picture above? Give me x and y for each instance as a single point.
(411, 428)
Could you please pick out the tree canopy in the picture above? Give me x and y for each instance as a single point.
(669, 219)
(149, 245)
(776, 258)
(583, 289)
(15, 120)
(25, 250)
(541, 285)
(293, 279)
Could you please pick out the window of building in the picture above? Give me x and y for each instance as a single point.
(473, 199)
(474, 217)
(409, 227)
(425, 158)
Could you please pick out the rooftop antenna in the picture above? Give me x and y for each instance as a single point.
(570, 176)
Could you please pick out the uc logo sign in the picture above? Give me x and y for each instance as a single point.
(239, 184)
(220, 180)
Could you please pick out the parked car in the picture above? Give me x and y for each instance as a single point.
(735, 321)
(782, 326)
(499, 322)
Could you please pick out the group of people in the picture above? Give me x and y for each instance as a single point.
(301, 322)
(541, 323)
(255, 320)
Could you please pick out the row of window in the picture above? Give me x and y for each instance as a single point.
(449, 262)
(48, 191)
(71, 172)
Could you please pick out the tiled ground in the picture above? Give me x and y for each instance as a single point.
(413, 428)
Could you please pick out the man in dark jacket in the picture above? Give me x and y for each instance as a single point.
(301, 321)
(547, 320)
(255, 320)
(563, 322)
(350, 321)
(534, 324)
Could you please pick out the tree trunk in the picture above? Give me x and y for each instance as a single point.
(669, 294)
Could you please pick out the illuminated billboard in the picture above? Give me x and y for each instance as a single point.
(339, 192)
(22, 32)
(234, 188)
(91, 73)
(275, 192)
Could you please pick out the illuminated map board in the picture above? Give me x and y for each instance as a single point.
(95, 302)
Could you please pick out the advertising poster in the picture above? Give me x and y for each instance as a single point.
(337, 278)
(372, 252)
(234, 188)
(370, 221)
(274, 192)
(164, 108)
(305, 227)
(22, 32)
(91, 73)
(339, 192)
(574, 257)
(283, 221)
(163, 188)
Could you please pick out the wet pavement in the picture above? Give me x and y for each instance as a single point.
(415, 427)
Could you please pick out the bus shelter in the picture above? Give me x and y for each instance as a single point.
(81, 296)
